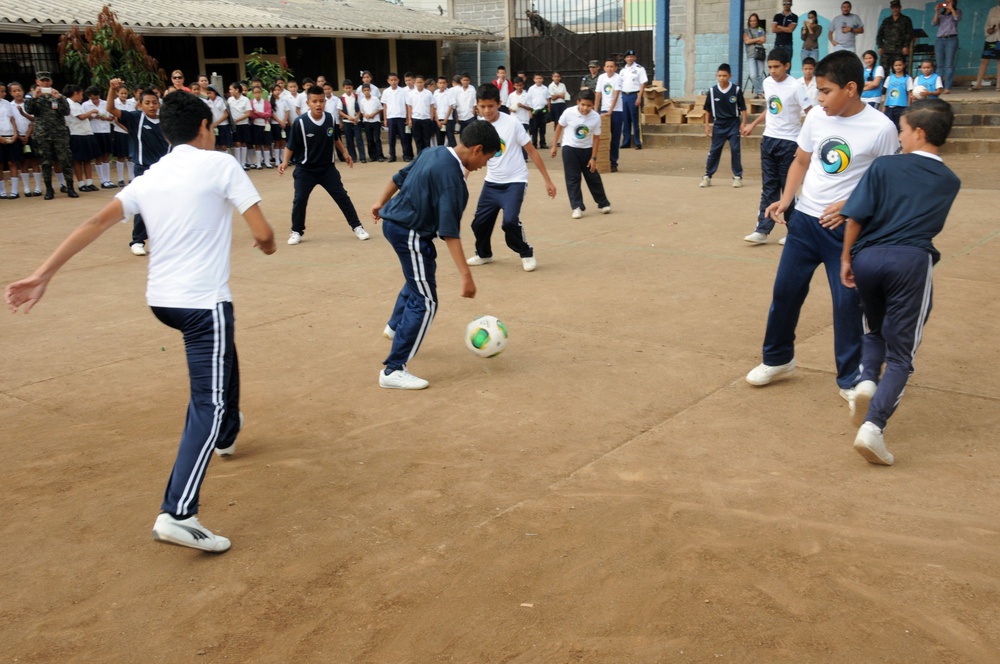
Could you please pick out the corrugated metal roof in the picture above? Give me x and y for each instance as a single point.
(333, 18)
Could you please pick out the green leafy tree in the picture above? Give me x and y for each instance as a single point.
(107, 50)
(268, 71)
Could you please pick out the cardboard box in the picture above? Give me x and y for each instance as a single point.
(697, 114)
(649, 109)
(651, 118)
(675, 116)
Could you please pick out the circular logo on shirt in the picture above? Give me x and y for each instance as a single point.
(581, 132)
(502, 150)
(732, 99)
(835, 155)
(894, 93)
(774, 105)
(608, 88)
(329, 132)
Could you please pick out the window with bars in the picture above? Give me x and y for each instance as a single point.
(19, 60)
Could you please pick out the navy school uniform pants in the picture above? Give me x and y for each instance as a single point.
(354, 137)
(493, 198)
(630, 121)
(536, 127)
(423, 133)
(808, 246)
(416, 303)
(776, 157)
(139, 235)
(894, 284)
(724, 131)
(617, 117)
(450, 129)
(213, 416)
(306, 180)
(373, 131)
(576, 162)
(397, 130)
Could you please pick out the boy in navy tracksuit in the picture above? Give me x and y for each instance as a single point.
(726, 108)
(888, 256)
(432, 197)
(311, 142)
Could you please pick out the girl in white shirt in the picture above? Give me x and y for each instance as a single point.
(82, 143)
(279, 122)
(260, 116)
(25, 127)
(119, 139)
(239, 113)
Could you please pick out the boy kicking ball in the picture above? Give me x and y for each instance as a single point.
(187, 289)
(432, 197)
(888, 256)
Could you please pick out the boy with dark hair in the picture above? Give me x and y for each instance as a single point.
(539, 99)
(394, 101)
(420, 112)
(889, 257)
(187, 290)
(580, 145)
(836, 146)
(504, 88)
(312, 139)
(609, 102)
(726, 111)
(786, 103)
(432, 197)
(350, 122)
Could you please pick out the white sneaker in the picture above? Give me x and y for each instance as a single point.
(756, 238)
(188, 532)
(577, 213)
(361, 233)
(705, 181)
(389, 333)
(737, 182)
(477, 260)
(871, 445)
(763, 374)
(781, 241)
(863, 393)
(138, 249)
(401, 379)
(605, 210)
(294, 238)
(231, 450)
(529, 264)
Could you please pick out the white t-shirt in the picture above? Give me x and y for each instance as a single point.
(538, 97)
(516, 103)
(23, 123)
(97, 124)
(785, 103)
(812, 92)
(301, 104)
(508, 164)
(258, 107)
(842, 149)
(77, 127)
(443, 103)
(420, 102)
(557, 89)
(333, 106)
(7, 113)
(394, 102)
(465, 102)
(124, 106)
(369, 106)
(189, 263)
(238, 108)
(607, 85)
(579, 129)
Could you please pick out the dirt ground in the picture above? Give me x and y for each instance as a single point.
(609, 489)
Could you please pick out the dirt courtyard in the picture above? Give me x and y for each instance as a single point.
(610, 489)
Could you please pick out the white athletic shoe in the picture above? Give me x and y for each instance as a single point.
(401, 379)
(188, 532)
(705, 181)
(529, 264)
(871, 445)
(361, 233)
(294, 238)
(389, 333)
(577, 213)
(756, 238)
(477, 260)
(763, 374)
(138, 249)
(737, 182)
(605, 210)
(781, 241)
(863, 393)
(231, 450)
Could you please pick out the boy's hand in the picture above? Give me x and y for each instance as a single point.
(847, 274)
(282, 167)
(375, 212)
(268, 247)
(550, 189)
(349, 161)
(708, 130)
(25, 292)
(831, 217)
(553, 151)
(776, 211)
(468, 286)
(746, 130)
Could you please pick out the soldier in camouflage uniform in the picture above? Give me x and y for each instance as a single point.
(51, 135)
(589, 81)
(894, 36)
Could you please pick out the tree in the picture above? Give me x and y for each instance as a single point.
(107, 50)
(268, 71)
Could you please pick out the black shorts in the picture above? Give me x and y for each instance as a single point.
(991, 51)
(225, 137)
(84, 148)
(259, 136)
(13, 153)
(241, 134)
(120, 147)
(103, 142)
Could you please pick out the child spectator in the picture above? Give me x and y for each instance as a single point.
(504, 87)
(444, 107)
(808, 80)
(11, 148)
(520, 109)
(394, 104)
(432, 196)
(898, 86)
(350, 121)
(25, 130)
(279, 115)
(371, 111)
(220, 120)
(929, 80)
(579, 147)
(538, 96)
(558, 96)
(101, 124)
(239, 115)
(874, 75)
(420, 113)
(366, 79)
(609, 101)
(727, 113)
(120, 140)
(81, 137)
(260, 130)
(889, 257)
(465, 102)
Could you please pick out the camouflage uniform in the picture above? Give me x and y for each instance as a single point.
(51, 135)
(893, 36)
(589, 83)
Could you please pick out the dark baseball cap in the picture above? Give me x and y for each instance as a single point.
(895, 3)
(43, 76)
(630, 52)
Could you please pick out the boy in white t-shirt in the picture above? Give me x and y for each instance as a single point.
(579, 146)
(808, 80)
(609, 102)
(444, 107)
(465, 102)
(371, 111)
(558, 96)
(187, 290)
(837, 144)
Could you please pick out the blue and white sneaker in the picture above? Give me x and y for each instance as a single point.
(188, 532)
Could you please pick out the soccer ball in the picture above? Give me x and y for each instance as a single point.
(486, 336)
(919, 92)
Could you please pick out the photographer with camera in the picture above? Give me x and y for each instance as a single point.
(946, 18)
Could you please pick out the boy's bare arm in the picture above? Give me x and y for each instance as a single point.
(851, 233)
(796, 174)
(458, 255)
(387, 193)
(263, 234)
(555, 141)
(536, 158)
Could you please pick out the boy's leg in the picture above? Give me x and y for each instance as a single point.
(394, 131)
(303, 180)
(513, 197)
(616, 136)
(418, 298)
(450, 129)
(211, 354)
(771, 182)
(572, 169)
(350, 131)
(486, 218)
(139, 235)
(848, 327)
(359, 139)
(735, 149)
(715, 152)
(595, 184)
(330, 180)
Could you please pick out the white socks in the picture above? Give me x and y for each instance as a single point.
(131, 171)
(38, 181)
(61, 179)
(121, 171)
(13, 185)
(24, 179)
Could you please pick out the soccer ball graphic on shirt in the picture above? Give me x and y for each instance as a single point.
(503, 148)
(581, 132)
(486, 336)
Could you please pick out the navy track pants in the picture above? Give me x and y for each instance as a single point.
(417, 301)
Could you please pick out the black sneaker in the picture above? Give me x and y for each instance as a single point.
(121, 183)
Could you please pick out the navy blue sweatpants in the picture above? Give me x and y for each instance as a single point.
(139, 235)
(617, 119)
(776, 156)
(213, 416)
(630, 120)
(723, 131)
(416, 303)
(808, 246)
(493, 198)
(894, 284)
(306, 180)
(397, 130)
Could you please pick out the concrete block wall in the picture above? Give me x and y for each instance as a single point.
(677, 66)
(712, 50)
(489, 15)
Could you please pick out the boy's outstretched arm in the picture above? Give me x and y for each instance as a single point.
(387, 193)
(851, 233)
(540, 165)
(796, 174)
(458, 255)
(263, 234)
(30, 290)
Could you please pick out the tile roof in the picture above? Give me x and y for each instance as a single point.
(331, 18)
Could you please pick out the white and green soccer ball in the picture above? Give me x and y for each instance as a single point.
(486, 336)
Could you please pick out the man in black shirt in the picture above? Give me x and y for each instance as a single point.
(783, 27)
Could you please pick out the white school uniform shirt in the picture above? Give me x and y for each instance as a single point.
(348, 106)
(77, 127)
(123, 106)
(258, 107)
(443, 103)
(557, 89)
(375, 92)
(301, 103)
(633, 76)
(193, 242)
(368, 106)
(523, 115)
(607, 85)
(98, 125)
(538, 97)
(7, 113)
(238, 108)
(812, 92)
(420, 103)
(579, 129)
(219, 108)
(786, 102)
(508, 164)
(332, 106)
(465, 102)
(394, 102)
(131, 104)
(842, 149)
(23, 123)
